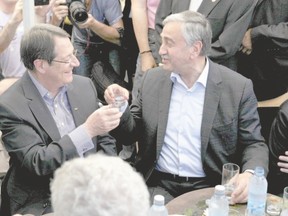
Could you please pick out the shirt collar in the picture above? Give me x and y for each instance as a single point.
(202, 79)
(42, 90)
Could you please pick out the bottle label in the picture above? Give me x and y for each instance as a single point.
(256, 209)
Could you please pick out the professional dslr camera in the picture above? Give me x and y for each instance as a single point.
(41, 2)
(77, 11)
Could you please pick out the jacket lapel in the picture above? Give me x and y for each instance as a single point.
(207, 6)
(212, 98)
(76, 104)
(164, 105)
(39, 108)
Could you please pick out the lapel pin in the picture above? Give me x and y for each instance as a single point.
(76, 108)
(213, 0)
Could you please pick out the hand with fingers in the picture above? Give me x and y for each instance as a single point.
(240, 194)
(283, 162)
(42, 10)
(60, 11)
(103, 120)
(112, 91)
(246, 46)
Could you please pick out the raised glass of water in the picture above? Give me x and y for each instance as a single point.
(119, 102)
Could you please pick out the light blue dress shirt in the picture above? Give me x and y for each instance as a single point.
(181, 151)
(60, 110)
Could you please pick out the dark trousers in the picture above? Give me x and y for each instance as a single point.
(171, 186)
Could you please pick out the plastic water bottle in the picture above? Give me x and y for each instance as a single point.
(257, 193)
(158, 208)
(218, 204)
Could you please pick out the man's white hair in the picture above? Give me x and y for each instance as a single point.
(98, 185)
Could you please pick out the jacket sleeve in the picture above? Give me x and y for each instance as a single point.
(237, 21)
(277, 33)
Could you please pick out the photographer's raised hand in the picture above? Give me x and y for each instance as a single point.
(42, 11)
(106, 32)
(60, 11)
(17, 15)
(7, 33)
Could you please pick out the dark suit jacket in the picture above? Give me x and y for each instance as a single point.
(229, 20)
(230, 130)
(278, 144)
(33, 142)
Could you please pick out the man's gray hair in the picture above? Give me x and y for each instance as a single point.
(195, 27)
(99, 185)
(38, 43)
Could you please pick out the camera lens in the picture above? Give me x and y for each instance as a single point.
(78, 11)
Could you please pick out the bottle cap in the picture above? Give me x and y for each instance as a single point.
(159, 200)
(220, 189)
(259, 171)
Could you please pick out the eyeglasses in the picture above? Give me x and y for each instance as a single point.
(68, 61)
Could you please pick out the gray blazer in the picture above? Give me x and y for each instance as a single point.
(33, 142)
(230, 130)
(229, 21)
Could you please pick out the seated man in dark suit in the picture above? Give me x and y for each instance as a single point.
(45, 120)
(192, 116)
(278, 147)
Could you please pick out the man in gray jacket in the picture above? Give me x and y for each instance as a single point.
(192, 116)
(45, 120)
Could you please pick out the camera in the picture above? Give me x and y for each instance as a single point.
(77, 11)
(41, 2)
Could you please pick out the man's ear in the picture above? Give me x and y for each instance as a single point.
(196, 48)
(40, 65)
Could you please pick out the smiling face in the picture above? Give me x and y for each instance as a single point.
(59, 72)
(174, 51)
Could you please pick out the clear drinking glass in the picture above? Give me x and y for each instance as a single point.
(273, 205)
(119, 101)
(285, 202)
(230, 173)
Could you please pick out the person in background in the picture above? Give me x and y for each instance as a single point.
(229, 21)
(143, 17)
(94, 38)
(264, 48)
(130, 48)
(11, 31)
(100, 186)
(48, 121)
(192, 116)
(278, 148)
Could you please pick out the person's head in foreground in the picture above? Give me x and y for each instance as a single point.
(98, 185)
